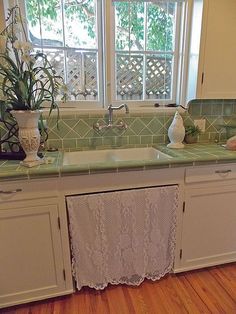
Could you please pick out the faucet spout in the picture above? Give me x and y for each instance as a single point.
(110, 111)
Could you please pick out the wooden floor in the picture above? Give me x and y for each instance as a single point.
(212, 290)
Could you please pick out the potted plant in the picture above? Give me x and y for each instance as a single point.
(191, 134)
(27, 81)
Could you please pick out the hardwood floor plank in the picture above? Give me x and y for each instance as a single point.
(192, 302)
(171, 301)
(152, 295)
(211, 292)
(226, 276)
(116, 300)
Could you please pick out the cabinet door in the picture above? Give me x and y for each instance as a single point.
(209, 227)
(31, 263)
(218, 50)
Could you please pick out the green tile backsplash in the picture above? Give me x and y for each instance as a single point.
(76, 131)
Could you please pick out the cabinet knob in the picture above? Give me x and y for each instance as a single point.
(11, 192)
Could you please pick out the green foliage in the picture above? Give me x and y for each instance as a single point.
(192, 130)
(129, 16)
(47, 8)
(50, 11)
(159, 26)
(27, 79)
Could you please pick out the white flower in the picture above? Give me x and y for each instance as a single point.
(26, 46)
(2, 97)
(17, 44)
(3, 42)
(64, 88)
(26, 58)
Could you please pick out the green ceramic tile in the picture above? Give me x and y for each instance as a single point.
(95, 141)
(70, 122)
(121, 140)
(217, 109)
(63, 129)
(137, 126)
(206, 109)
(161, 119)
(228, 109)
(69, 143)
(145, 131)
(109, 141)
(146, 139)
(83, 142)
(54, 144)
(134, 140)
(43, 173)
(53, 134)
(155, 126)
(158, 139)
(71, 134)
(91, 121)
(194, 109)
(82, 128)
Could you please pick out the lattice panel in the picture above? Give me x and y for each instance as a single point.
(90, 72)
(81, 72)
(82, 75)
(56, 58)
(74, 67)
(158, 77)
(129, 75)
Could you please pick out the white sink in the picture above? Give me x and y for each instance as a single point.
(127, 154)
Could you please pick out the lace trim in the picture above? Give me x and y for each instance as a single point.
(122, 237)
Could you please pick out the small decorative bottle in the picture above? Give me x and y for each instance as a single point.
(176, 132)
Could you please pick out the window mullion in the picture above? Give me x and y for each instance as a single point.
(64, 41)
(145, 49)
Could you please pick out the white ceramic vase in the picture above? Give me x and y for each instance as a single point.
(28, 135)
(176, 132)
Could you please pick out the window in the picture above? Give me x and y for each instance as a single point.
(69, 33)
(112, 52)
(146, 48)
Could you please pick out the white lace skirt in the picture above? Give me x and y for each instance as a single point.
(124, 236)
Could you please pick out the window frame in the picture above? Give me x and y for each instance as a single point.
(86, 104)
(175, 67)
(106, 64)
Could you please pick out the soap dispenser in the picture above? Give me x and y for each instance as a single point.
(176, 132)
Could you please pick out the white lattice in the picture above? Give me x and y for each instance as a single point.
(158, 77)
(130, 76)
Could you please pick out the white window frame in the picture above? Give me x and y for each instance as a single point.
(175, 67)
(106, 62)
(100, 34)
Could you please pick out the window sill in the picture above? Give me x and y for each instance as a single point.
(101, 111)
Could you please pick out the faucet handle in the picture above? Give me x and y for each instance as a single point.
(121, 125)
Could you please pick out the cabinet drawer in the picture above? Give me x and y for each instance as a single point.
(210, 173)
(31, 189)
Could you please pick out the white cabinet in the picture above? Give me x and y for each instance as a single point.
(209, 217)
(217, 66)
(33, 259)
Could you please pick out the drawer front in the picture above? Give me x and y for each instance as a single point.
(210, 173)
(31, 189)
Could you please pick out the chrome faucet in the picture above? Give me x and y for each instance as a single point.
(110, 110)
(120, 125)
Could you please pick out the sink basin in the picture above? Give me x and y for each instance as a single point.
(127, 154)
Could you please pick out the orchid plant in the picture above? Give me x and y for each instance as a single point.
(27, 78)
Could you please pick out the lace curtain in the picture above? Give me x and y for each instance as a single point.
(122, 237)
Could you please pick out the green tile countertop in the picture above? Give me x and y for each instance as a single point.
(190, 155)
